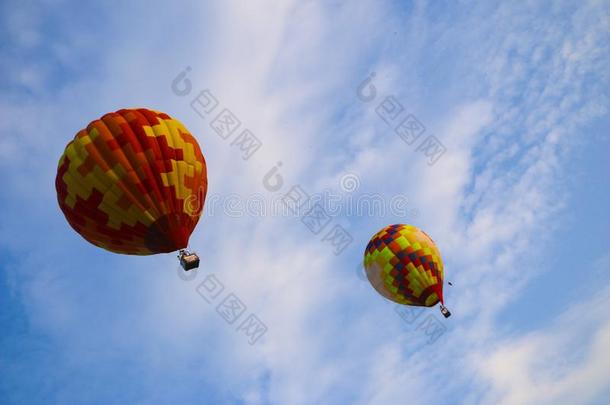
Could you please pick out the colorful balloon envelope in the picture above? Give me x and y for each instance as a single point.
(133, 182)
(404, 265)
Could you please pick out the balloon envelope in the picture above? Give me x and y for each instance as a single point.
(133, 182)
(404, 265)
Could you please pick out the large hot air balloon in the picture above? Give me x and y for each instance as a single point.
(134, 182)
(404, 265)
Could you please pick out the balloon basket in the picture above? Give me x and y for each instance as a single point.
(188, 260)
(445, 311)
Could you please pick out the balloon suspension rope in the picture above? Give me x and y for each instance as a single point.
(444, 309)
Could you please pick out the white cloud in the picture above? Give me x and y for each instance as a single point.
(567, 362)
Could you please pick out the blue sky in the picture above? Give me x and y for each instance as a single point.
(518, 94)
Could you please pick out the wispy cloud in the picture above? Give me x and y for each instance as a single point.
(567, 361)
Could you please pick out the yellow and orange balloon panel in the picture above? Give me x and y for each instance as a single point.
(404, 265)
(133, 182)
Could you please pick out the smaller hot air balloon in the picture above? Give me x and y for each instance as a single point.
(404, 265)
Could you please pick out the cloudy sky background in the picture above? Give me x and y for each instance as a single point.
(519, 96)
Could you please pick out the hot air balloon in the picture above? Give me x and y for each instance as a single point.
(134, 182)
(404, 265)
